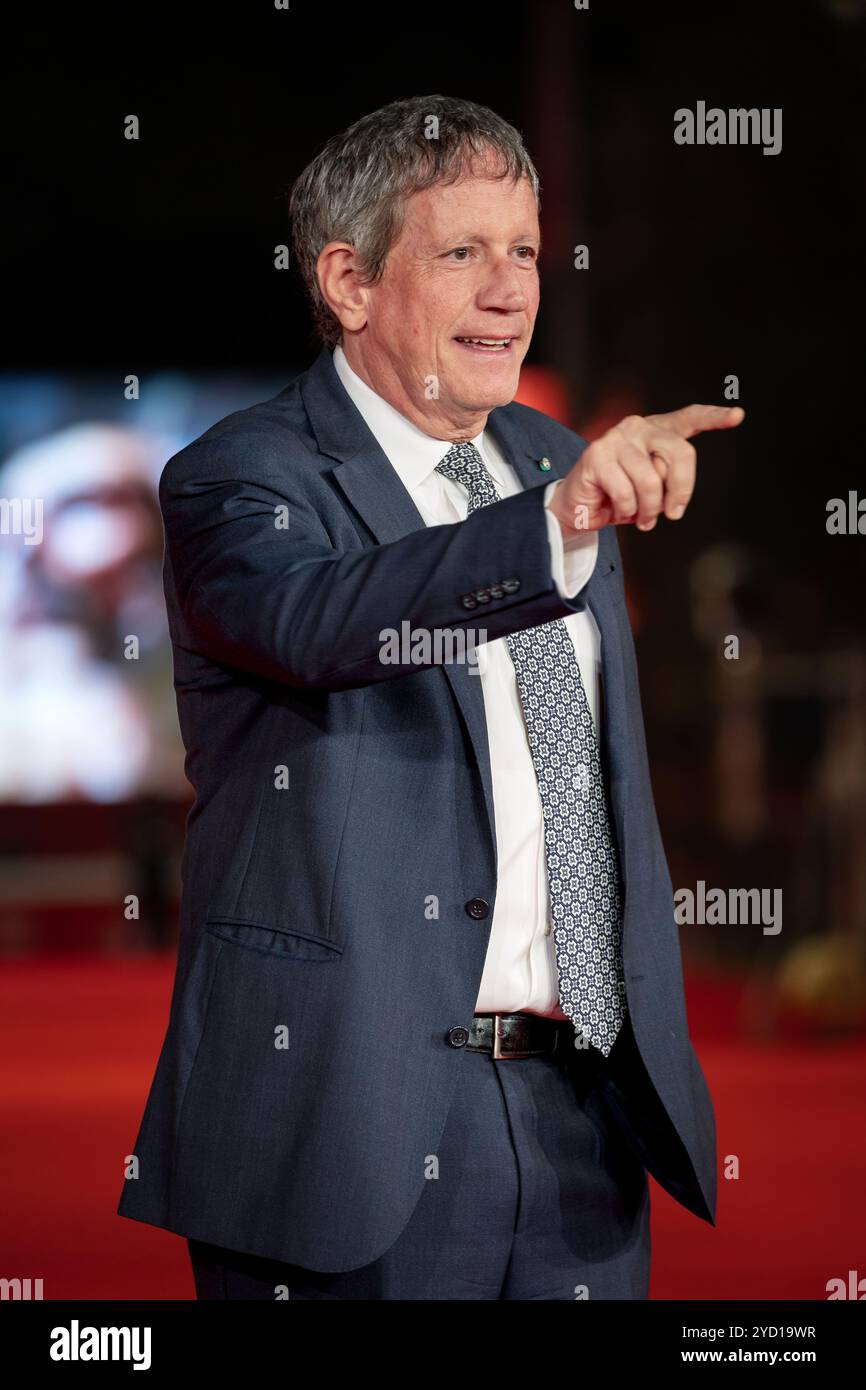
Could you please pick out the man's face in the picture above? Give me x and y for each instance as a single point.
(464, 268)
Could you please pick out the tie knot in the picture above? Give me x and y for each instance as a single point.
(463, 464)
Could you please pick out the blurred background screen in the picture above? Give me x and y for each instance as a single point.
(91, 762)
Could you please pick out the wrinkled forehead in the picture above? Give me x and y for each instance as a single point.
(477, 205)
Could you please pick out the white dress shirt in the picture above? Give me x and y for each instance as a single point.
(520, 970)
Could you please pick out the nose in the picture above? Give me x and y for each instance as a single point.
(505, 288)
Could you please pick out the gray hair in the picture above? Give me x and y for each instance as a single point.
(356, 188)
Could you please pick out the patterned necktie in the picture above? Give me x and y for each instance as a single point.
(582, 863)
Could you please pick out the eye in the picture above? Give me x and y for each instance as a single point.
(531, 254)
(461, 252)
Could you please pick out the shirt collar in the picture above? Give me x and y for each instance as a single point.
(412, 453)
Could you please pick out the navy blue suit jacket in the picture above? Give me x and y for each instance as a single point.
(308, 1064)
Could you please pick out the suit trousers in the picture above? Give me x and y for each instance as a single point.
(535, 1192)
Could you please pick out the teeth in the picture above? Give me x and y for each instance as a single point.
(488, 342)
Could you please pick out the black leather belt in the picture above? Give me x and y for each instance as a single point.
(519, 1035)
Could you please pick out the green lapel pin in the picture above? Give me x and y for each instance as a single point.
(545, 465)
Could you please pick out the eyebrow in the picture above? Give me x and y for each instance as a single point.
(462, 237)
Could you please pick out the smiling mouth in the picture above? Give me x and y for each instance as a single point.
(488, 345)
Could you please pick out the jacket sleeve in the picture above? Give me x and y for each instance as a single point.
(261, 587)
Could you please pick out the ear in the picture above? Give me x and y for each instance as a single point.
(339, 282)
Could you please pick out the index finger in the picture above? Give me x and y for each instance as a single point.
(695, 419)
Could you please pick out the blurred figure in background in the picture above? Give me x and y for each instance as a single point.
(84, 669)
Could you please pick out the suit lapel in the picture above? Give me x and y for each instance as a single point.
(374, 490)
(363, 473)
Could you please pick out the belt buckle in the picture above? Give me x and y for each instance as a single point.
(498, 1054)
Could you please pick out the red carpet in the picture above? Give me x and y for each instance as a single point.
(79, 1039)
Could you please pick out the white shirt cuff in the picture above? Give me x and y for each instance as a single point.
(571, 562)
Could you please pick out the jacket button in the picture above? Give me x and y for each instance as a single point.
(497, 591)
(482, 595)
(458, 1037)
(477, 908)
(469, 601)
(511, 585)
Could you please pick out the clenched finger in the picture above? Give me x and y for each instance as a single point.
(674, 459)
(618, 487)
(648, 487)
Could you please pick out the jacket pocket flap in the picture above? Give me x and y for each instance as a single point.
(273, 938)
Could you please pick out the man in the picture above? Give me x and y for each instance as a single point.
(428, 1031)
